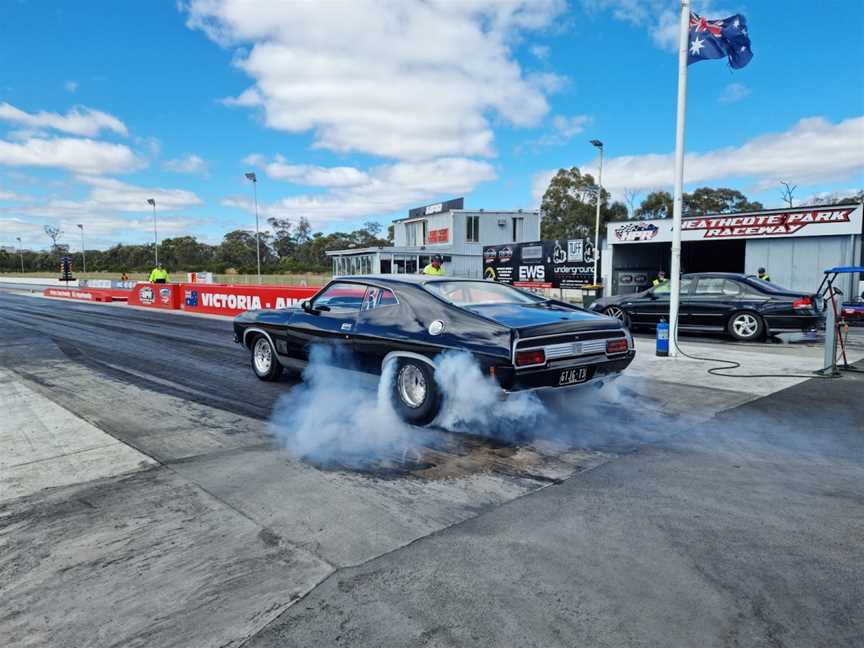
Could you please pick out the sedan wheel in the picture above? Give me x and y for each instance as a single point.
(618, 313)
(414, 392)
(746, 326)
(264, 362)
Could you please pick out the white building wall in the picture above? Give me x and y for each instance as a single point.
(800, 263)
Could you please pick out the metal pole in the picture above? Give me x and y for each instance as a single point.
(678, 197)
(155, 235)
(257, 233)
(21, 254)
(83, 252)
(597, 218)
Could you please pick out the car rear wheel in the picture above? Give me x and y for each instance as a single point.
(618, 313)
(264, 362)
(746, 326)
(414, 392)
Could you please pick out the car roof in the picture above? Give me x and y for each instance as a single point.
(725, 275)
(414, 279)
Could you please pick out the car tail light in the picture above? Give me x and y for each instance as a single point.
(533, 357)
(616, 346)
(804, 302)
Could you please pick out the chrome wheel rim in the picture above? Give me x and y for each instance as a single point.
(614, 311)
(263, 356)
(745, 325)
(412, 386)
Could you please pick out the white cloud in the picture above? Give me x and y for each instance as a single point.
(660, 18)
(71, 86)
(383, 189)
(309, 175)
(408, 80)
(187, 164)
(76, 155)
(540, 51)
(78, 121)
(11, 196)
(813, 150)
(734, 92)
(564, 128)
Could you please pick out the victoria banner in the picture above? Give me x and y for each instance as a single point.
(559, 263)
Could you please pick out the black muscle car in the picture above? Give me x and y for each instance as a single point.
(744, 306)
(521, 340)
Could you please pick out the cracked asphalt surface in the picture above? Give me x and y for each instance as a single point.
(745, 530)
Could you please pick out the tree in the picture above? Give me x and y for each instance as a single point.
(569, 206)
(705, 200)
(722, 200)
(53, 233)
(657, 204)
(284, 241)
(787, 192)
(630, 197)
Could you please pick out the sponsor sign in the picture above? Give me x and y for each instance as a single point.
(155, 295)
(217, 299)
(829, 220)
(437, 208)
(438, 236)
(541, 264)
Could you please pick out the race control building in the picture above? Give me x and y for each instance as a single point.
(444, 228)
(795, 245)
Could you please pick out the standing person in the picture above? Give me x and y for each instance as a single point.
(124, 276)
(435, 267)
(660, 280)
(159, 275)
(762, 274)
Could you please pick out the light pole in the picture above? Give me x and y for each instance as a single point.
(152, 201)
(83, 252)
(20, 253)
(599, 145)
(254, 179)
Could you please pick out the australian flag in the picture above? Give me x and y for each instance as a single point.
(713, 39)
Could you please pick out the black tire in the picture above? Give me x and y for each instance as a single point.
(414, 392)
(746, 326)
(618, 313)
(265, 364)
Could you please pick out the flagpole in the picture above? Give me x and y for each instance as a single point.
(678, 196)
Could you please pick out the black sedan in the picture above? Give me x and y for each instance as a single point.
(519, 339)
(744, 306)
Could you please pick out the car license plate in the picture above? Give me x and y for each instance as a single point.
(573, 376)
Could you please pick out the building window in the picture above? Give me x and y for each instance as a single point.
(415, 233)
(517, 229)
(472, 229)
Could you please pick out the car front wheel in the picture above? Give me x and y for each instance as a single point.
(618, 313)
(264, 362)
(746, 327)
(414, 392)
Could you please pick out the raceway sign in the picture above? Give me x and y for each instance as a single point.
(541, 264)
(814, 221)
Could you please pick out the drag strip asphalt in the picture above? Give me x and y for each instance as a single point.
(144, 502)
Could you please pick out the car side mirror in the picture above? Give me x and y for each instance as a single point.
(312, 310)
(306, 305)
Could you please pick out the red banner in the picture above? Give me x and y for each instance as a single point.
(153, 295)
(216, 299)
(87, 294)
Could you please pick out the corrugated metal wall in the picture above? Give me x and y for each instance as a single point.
(800, 263)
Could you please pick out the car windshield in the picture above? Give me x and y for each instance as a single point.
(480, 293)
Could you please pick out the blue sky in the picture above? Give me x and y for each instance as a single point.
(351, 111)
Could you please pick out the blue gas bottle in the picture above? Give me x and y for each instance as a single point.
(663, 338)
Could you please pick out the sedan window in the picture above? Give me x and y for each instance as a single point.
(710, 286)
(665, 288)
(342, 297)
(378, 298)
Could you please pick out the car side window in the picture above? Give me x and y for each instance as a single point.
(710, 287)
(378, 298)
(731, 288)
(341, 297)
(664, 289)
